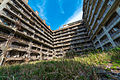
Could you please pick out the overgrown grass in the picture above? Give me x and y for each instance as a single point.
(77, 68)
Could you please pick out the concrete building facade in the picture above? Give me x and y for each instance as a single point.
(72, 36)
(24, 36)
(103, 20)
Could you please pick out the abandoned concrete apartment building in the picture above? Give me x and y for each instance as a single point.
(24, 36)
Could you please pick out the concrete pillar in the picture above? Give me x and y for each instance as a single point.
(4, 49)
(41, 55)
(98, 39)
(94, 44)
(109, 37)
(29, 49)
(100, 43)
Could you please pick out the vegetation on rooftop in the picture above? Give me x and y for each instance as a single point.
(83, 67)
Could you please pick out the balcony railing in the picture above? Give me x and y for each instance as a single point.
(88, 5)
(89, 12)
(93, 10)
(78, 41)
(96, 16)
(105, 13)
(95, 40)
(18, 47)
(117, 32)
(117, 17)
(99, 36)
(104, 41)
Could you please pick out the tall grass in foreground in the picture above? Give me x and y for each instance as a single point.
(77, 68)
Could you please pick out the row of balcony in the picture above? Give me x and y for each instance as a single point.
(29, 30)
(105, 41)
(70, 39)
(96, 16)
(72, 42)
(101, 19)
(68, 33)
(108, 28)
(65, 37)
(80, 41)
(93, 11)
(32, 37)
(90, 11)
(116, 33)
(62, 41)
(24, 49)
(88, 5)
(35, 28)
(68, 30)
(77, 46)
(113, 23)
(29, 16)
(32, 13)
(69, 27)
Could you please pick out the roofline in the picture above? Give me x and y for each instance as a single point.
(79, 22)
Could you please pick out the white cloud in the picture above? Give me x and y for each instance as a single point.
(75, 17)
(42, 11)
(60, 5)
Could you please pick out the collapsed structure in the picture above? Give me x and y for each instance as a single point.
(24, 36)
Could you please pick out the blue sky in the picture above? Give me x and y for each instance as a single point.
(58, 12)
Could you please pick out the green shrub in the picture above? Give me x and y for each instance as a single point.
(75, 68)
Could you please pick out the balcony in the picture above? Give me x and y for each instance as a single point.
(115, 34)
(109, 5)
(35, 51)
(28, 28)
(95, 40)
(63, 41)
(93, 10)
(27, 15)
(80, 41)
(15, 59)
(105, 41)
(35, 58)
(89, 13)
(81, 33)
(81, 30)
(112, 22)
(105, 13)
(88, 6)
(101, 34)
(96, 16)
(18, 48)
